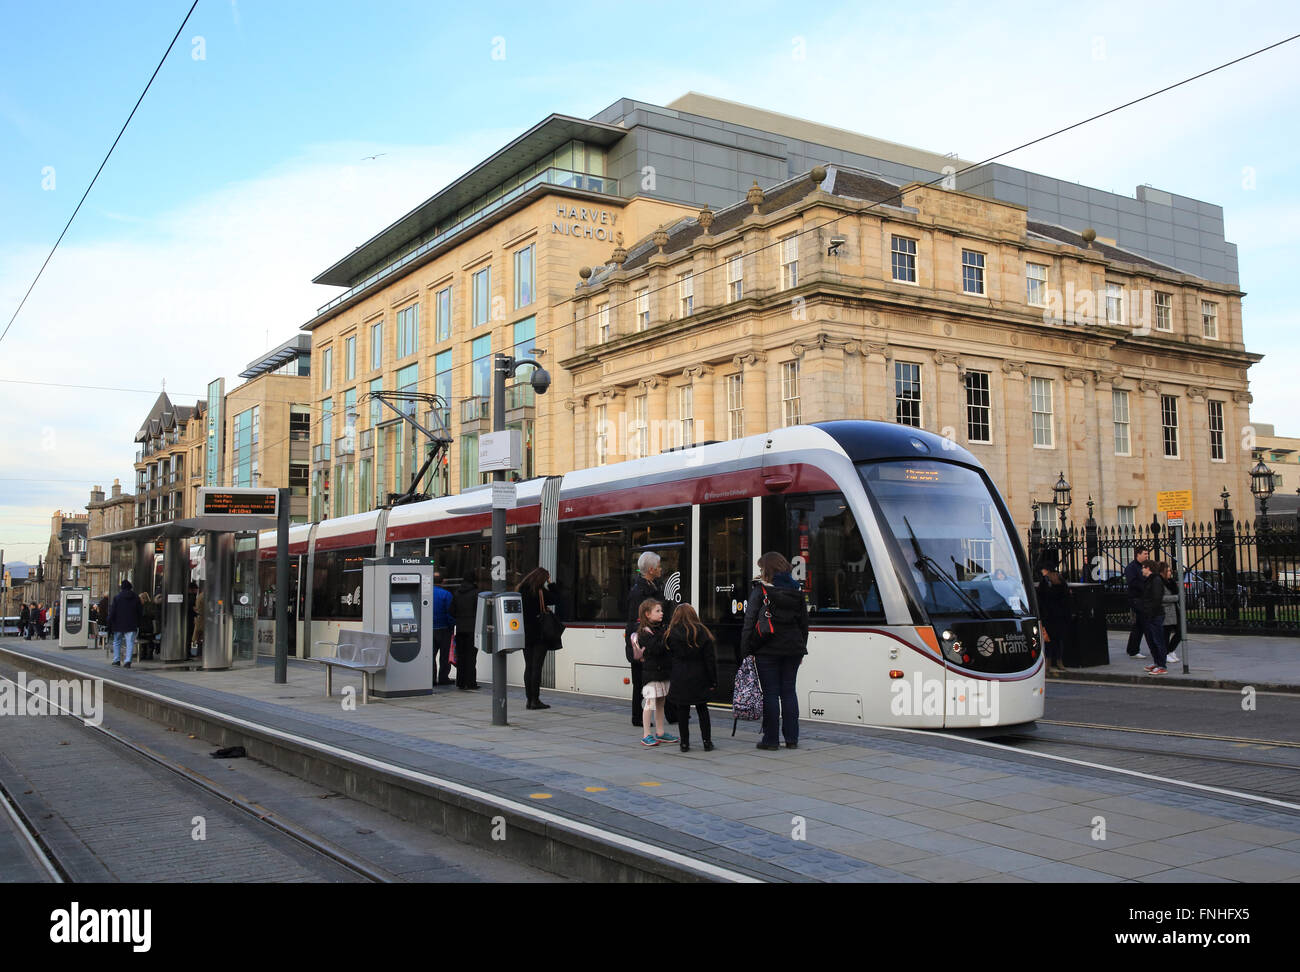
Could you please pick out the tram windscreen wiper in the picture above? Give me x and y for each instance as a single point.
(926, 561)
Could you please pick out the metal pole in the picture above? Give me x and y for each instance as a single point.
(282, 588)
(500, 365)
(1182, 596)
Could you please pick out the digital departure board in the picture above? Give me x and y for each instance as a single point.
(237, 502)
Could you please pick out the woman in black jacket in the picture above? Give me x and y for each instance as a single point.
(465, 607)
(779, 649)
(1153, 609)
(535, 595)
(1054, 606)
(694, 672)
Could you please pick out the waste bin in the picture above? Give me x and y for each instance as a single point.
(1088, 644)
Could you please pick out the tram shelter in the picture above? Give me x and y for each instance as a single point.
(230, 581)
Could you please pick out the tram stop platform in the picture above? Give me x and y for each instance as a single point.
(1262, 662)
(571, 790)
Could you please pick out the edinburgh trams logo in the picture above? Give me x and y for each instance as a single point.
(985, 646)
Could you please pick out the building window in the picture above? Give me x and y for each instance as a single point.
(638, 439)
(643, 309)
(469, 474)
(482, 296)
(1164, 304)
(602, 323)
(1114, 304)
(735, 278)
(790, 262)
(524, 276)
(326, 426)
(350, 358)
(408, 330)
(790, 412)
(1169, 424)
(244, 435)
(1119, 408)
(903, 258)
(442, 314)
(377, 409)
(376, 345)
(972, 272)
(327, 369)
(686, 293)
(1041, 405)
(1036, 284)
(1216, 430)
(686, 415)
(481, 366)
(735, 406)
(602, 436)
(979, 426)
(1047, 521)
(907, 394)
(1210, 320)
(442, 385)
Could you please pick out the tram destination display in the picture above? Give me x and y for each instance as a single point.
(238, 502)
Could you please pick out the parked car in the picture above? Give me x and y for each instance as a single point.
(1260, 586)
(1206, 589)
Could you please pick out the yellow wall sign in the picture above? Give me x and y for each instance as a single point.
(1173, 499)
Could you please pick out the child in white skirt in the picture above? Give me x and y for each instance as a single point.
(648, 648)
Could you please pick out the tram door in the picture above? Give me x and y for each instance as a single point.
(243, 597)
(726, 572)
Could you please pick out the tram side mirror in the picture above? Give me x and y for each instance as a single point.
(541, 380)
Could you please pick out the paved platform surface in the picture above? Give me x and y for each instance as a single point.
(851, 804)
(1215, 661)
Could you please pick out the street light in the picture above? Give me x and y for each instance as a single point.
(1061, 491)
(1261, 485)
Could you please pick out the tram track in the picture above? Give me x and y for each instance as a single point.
(48, 857)
(1273, 779)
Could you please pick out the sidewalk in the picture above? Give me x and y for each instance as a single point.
(1267, 664)
(851, 804)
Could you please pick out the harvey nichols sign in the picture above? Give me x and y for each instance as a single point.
(571, 219)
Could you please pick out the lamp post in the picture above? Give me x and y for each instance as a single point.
(1261, 485)
(1061, 493)
(504, 366)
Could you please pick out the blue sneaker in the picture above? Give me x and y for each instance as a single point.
(667, 737)
(649, 741)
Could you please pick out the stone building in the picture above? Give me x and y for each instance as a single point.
(169, 464)
(838, 294)
(105, 515)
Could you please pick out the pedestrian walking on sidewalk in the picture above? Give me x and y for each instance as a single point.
(444, 621)
(1133, 578)
(1054, 604)
(693, 672)
(656, 669)
(537, 598)
(465, 610)
(775, 632)
(1153, 609)
(1172, 632)
(124, 622)
(25, 622)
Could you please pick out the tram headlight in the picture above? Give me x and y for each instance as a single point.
(946, 636)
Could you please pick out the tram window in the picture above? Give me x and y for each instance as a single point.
(597, 560)
(457, 559)
(409, 548)
(336, 583)
(820, 536)
(522, 556)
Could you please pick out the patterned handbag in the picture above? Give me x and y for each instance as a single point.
(747, 699)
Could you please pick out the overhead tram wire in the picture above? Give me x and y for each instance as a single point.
(98, 171)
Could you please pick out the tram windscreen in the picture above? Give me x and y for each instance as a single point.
(951, 536)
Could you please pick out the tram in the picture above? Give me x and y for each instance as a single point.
(921, 605)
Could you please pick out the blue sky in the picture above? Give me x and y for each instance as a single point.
(242, 175)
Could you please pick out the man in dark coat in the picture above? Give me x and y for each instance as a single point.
(464, 611)
(1133, 578)
(646, 586)
(24, 622)
(444, 620)
(124, 622)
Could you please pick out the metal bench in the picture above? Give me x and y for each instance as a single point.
(358, 651)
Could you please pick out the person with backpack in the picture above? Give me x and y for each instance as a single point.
(693, 672)
(775, 632)
(648, 648)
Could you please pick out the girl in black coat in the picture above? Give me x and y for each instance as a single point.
(656, 667)
(694, 672)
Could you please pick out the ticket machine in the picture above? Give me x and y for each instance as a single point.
(74, 620)
(397, 600)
